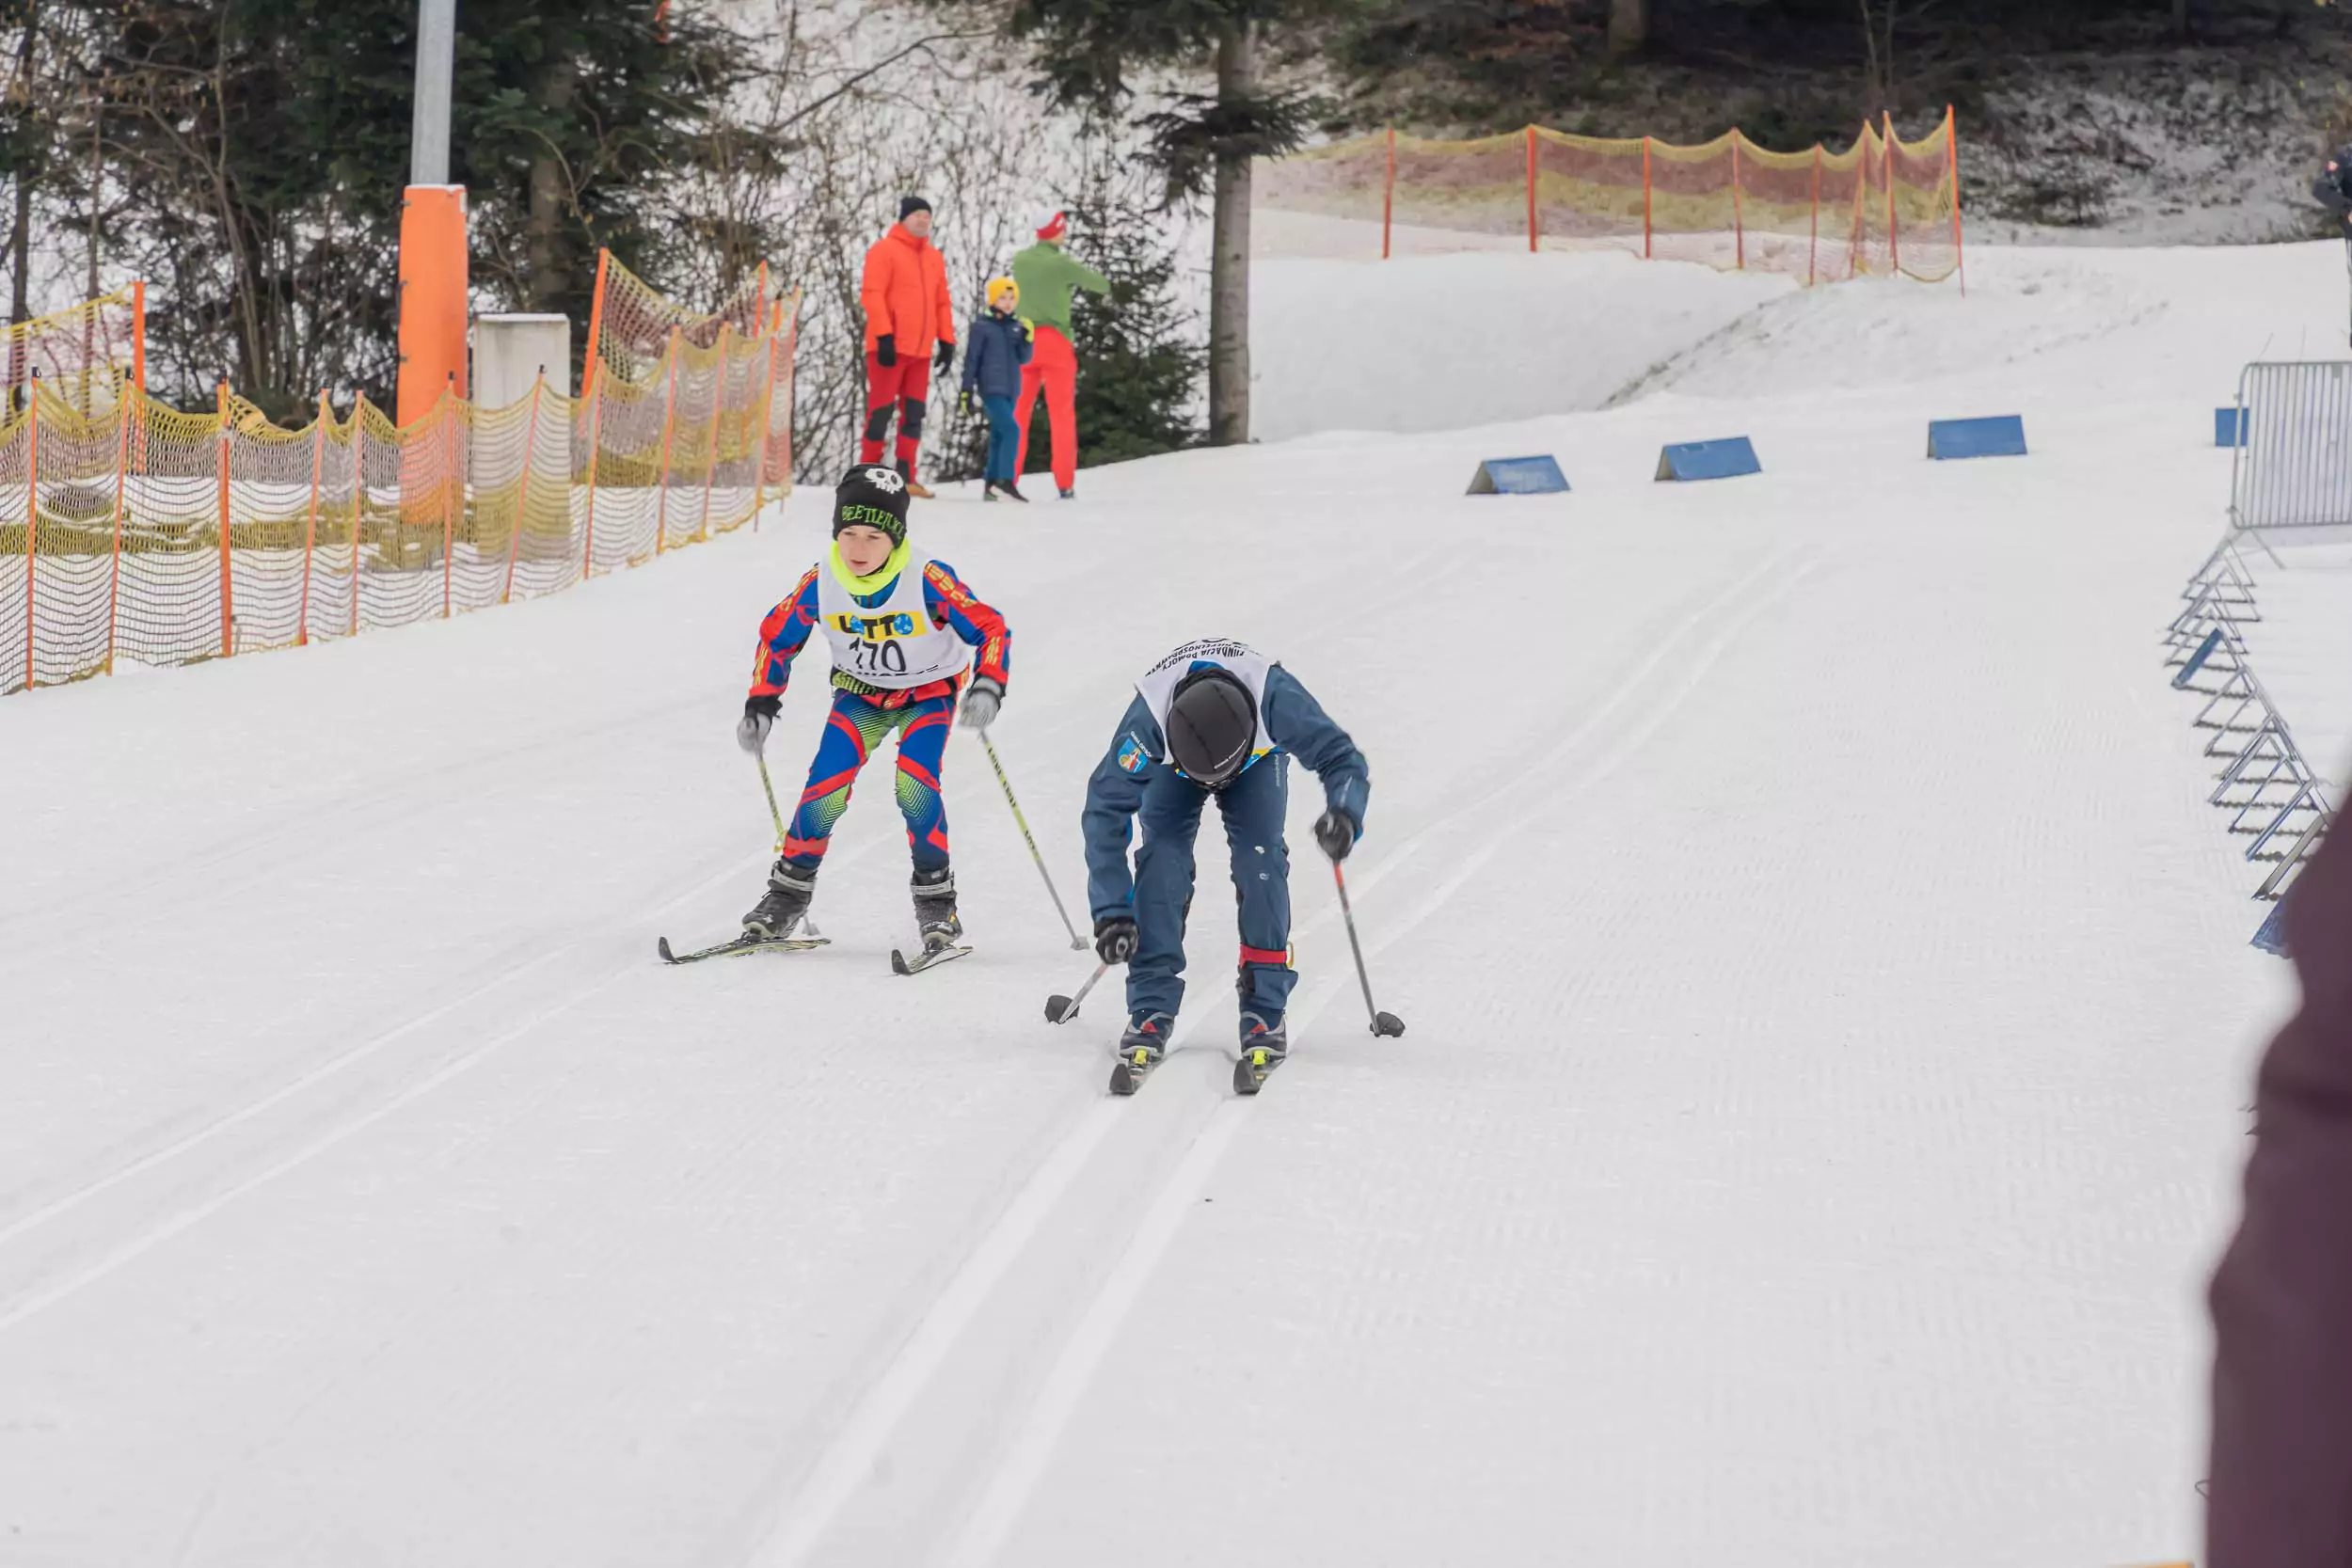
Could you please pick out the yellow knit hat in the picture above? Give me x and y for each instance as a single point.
(998, 288)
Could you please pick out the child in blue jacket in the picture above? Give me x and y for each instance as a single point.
(999, 343)
(1215, 718)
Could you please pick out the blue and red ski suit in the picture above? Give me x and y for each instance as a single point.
(863, 714)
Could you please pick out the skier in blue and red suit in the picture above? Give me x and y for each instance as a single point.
(1215, 718)
(904, 632)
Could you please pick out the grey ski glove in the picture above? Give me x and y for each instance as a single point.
(759, 714)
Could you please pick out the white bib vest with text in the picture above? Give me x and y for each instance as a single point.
(894, 646)
(1158, 685)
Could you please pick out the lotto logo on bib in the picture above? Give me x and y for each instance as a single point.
(875, 628)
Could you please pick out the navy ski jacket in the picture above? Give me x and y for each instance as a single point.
(1295, 723)
(999, 346)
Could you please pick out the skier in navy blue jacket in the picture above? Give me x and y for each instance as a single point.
(1212, 717)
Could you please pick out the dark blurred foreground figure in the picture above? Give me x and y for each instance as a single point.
(2281, 1487)
(2332, 189)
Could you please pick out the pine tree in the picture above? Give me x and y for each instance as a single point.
(1203, 142)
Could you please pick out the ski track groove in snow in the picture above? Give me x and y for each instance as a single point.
(1201, 1118)
(535, 1007)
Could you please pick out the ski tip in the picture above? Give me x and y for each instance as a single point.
(1245, 1081)
(1122, 1081)
(661, 944)
(898, 963)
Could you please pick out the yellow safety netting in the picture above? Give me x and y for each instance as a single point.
(138, 532)
(86, 354)
(1882, 205)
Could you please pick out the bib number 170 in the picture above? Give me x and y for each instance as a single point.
(870, 658)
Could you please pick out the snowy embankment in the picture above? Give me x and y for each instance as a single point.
(1829, 996)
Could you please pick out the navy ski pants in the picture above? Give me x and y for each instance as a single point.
(1253, 806)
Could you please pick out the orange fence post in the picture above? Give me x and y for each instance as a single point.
(595, 458)
(1861, 189)
(522, 492)
(1531, 189)
(138, 333)
(433, 298)
(1388, 195)
(126, 411)
(227, 600)
(1645, 228)
(452, 495)
(711, 457)
(596, 325)
(760, 314)
(1951, 172)
(1739, 211)
(358, 495)
(1813, 246)
(669, 433)
(32, 513)
(1894, 254)
(311, 524)
(592, 392)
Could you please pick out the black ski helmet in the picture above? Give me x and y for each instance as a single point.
(1211, 726)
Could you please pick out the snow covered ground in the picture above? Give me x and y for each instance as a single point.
(1830, 1007)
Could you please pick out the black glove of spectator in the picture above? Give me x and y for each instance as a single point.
(945, 360)
(887, 350)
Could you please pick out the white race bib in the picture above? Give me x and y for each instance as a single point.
(894, 646)
(1245, 664)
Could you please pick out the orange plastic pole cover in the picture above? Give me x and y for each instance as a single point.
(433, 288)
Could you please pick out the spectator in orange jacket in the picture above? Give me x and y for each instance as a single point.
(908, 316)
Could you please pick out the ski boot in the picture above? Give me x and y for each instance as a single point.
(785, 902)
(1010, 490)
(935, 918)
(1140, 1049)
(1264, 1045)
(906, 472)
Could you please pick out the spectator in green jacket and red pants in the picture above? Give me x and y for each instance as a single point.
(1046, 277)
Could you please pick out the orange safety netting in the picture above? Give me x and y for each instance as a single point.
(145, 534)
(1882, 205)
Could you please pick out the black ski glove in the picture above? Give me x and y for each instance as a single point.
(1115, 938)
(944, 360)
(887, 350)
(750, 730)
(1336, 833)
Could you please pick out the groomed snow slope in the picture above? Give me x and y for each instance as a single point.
(1831, 1015)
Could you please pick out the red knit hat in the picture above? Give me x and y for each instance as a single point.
(1055, 226)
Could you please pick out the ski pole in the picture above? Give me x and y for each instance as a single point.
(1382, 1023)
(808, 927)
(774, 814)
(1076, 945)
(1061, 1010)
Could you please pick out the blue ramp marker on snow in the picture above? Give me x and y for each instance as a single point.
(1517, 476)
(1724, 459)
(2001, 436)
(2229, 426)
